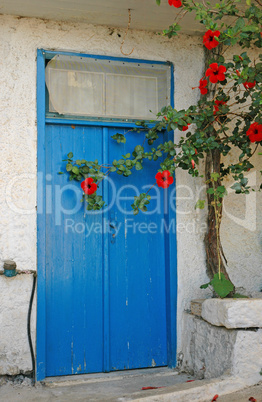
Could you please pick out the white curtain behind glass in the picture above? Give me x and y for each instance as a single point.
(131, 96)
(76, 92)
(105, 88)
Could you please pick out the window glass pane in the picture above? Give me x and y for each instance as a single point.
(129, 96)
(76, 92)
(86, 86)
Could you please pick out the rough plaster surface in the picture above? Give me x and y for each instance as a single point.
(247, 356)
(14, 351)
(210, 351)
(241, 226)
(20, 38)
(241, 233)
(232, 313)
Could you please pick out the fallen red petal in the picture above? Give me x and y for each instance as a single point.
(145, 388)
(251, 399)
(215, 398)
(190, 380)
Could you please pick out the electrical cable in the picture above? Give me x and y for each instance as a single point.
(29, 326)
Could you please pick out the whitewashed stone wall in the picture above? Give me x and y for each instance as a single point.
(20, 38)
(212, 352)
(14, 348)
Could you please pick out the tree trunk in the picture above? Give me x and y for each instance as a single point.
(212, 165)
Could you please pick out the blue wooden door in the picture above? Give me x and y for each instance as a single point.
(105, 273)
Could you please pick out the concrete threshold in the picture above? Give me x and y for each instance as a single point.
(149, 374)
(126, 386)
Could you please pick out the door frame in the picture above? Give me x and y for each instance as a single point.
(170, 241)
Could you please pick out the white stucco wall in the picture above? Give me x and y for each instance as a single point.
(241, 232)
(20, 38)
(14, 348)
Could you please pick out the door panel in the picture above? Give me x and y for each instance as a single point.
(137, 269)
(75, 263)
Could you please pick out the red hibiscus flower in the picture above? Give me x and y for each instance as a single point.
(185, 127)
(217, 104)
(202, 86)
(255, 132)
(209, 39)
(216, 73)
(88, 186)
(249, 85)
(175, 3)
(164, 179)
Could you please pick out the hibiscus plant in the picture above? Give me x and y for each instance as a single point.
(226, 117)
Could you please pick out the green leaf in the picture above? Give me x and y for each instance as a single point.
(205, 285)
(222, 286)
(221, 191)
(239, 296)
(119, 138)
(75, 170)
(240, 23)
(158, 2)
(70, 155)
(139, 148)
(237, 187)
(69, 167)
(139, 166)
(210, 191)
(200, 204)
(215, 176)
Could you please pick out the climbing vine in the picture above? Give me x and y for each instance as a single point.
(227, 117)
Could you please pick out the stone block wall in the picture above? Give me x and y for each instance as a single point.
(210, 351)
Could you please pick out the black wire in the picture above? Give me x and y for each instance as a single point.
(29, 326)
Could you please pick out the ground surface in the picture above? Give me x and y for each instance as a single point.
(243, 396)
(107, 387)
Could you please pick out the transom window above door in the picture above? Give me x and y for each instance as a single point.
(106, 88)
